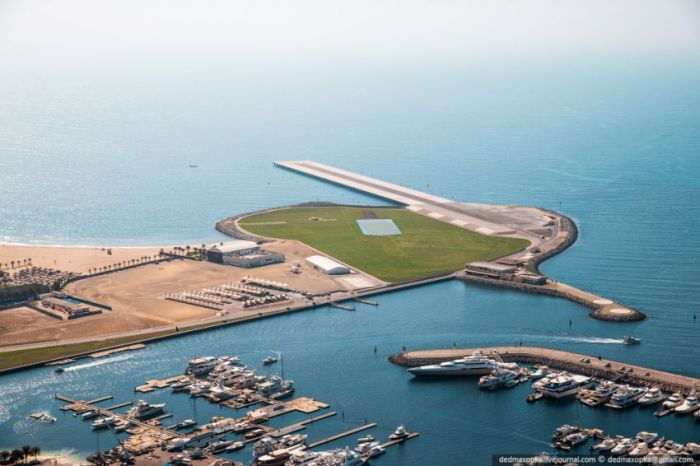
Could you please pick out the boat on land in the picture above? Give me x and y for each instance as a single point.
(476, 364)
(630, 340)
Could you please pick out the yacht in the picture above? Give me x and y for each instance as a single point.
(496, 379)
(199, 388)
(366, 439)
(201, 366)
(275, 386)
(652, 396)
(274, 458)
(476, 364)
(690, 404)
(647, 437)
(399, 434)
(673, 401)
(541, 371)
(626, 397)
(145, 410)
(269, 360)
(624, 446)
(576, 438)
(599, 395)
(220, 445)
(564, 431)
(180, 385)
(630, 340)
(104, 423)
(177, 443)
(564, 385)
(184, 424)
(640, 449)
(267, 444)
(235, 446)
(606, 445)
(369, 449)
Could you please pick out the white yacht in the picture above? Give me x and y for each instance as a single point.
(639, 449)
(399, 434)
(690, 404)
(606, 445)
(626, 397)
(177, 443)
(652, 396)
(496, 379)
(541, 371)
(624, 446)
(564, 385)
(104, 422)
(145, 410)
(576, 438)
(201, 366)
(647, 437)
(476, 364)
(599, 395)
(673, 401)
(267, 444)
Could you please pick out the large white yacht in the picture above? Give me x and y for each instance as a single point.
(626, 397)
(652, 396)
(496, 379)
(690, 404)
(564, 385)
(476, 364)
(201, 366)
(145, 410)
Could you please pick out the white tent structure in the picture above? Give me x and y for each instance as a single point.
(327, 266)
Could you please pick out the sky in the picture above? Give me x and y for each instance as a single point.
(69, 33)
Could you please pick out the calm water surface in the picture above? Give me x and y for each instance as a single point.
(99, 160)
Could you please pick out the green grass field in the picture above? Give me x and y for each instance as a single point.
(425, 246)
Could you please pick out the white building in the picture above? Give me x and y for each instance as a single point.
(327, 266)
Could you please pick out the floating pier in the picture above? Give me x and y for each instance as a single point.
(410, 436)
(367, 301)
(332, 438)
(342, 306)
(299, 425)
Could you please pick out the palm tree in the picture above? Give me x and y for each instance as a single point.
(35, 452)
(15, 455)
(13, 264)
(4, 456)
(26, 451)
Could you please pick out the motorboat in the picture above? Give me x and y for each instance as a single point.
(476, 364)
(269, 360)
(366, 439)
(184, 424)
(534, 396)
(576, 438)
(690, 404)
(647, 437)
(599, 395)
(630, 340)
(639, 449)
(104, 423)
(565, 430)
(145, 410)
(652, 396)
(177, 443)
(220, 445)
(180, 385)
(496, 379)
(564, 385)
(606, 445)
(623, 447)
(59, 370)
(674, 400)
(267, 444)
(399, 434)
(201, 366)
(625, 397)
(540, 372)
(235, 446)
(87, 415)
(274, 458)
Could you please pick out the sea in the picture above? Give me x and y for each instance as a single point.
(95, 157)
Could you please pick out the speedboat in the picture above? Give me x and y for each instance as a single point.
(652, 396)
(476, 364)
(630, 340)
(59, 370)
(145, 410)
(184, 424)
(673, 401)
(564, 431)
(690, 404)
(624, 446)
(399, 434)
(269, 360)
(368, 438)
(626, 397)
(647, 437)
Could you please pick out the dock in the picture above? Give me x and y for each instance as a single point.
(401, 440)
(562, 360)
(299, 425)
(332, 438)
(102, 354)
(342, 306)
(367, 301)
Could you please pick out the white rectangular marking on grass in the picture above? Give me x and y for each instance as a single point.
(460, 223)
(435, 215)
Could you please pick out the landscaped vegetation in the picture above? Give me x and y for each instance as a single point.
(425, 246)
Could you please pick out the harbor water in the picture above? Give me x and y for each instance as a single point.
(91, 158)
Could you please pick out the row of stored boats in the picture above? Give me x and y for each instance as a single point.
(643, 445)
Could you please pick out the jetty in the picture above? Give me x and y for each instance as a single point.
(558, 359)
(332, 438)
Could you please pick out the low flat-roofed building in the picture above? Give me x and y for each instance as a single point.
(256, 259)
(232, 248)
(327, 266)
(491, 267)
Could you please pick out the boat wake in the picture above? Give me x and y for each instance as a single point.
(99, 362)
(575, 339)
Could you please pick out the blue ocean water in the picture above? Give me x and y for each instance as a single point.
(99, 159)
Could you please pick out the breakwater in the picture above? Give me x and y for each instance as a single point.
(561, 360)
